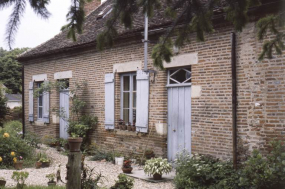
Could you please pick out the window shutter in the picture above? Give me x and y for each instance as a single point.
(31, 101)
(46, 104)
(109, 101)
(142, 101)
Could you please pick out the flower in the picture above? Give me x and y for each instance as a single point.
(13, 154)
(1, 159)
(6, 135)
(21, 158)
(15, 159)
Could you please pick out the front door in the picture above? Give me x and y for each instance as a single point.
(64, 113)
(179, 112)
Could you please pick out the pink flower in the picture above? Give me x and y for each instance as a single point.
(20, 157)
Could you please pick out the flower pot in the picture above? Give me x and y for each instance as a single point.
(18, 165)
(133, 128)
(127, 170)
(74, 144)
(45, 164)
(157, 176)
(119, 160)
(51, 183)
(129, 128)
(123, 127)
(38, 164)
(2, 183)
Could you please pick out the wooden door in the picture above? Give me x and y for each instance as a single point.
(64, 109)
(179, 120)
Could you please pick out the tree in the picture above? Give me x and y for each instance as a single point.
(188, 16)
(11, 70)
(3, 107)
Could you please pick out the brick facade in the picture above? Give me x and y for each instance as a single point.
(261, 88)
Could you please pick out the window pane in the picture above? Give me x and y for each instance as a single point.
(126, 101)
(126, 80)
(134, 99)
(40, 100)
(126, 115)
(134, 116)
(134, 83)
(40, 112)
(181, 76)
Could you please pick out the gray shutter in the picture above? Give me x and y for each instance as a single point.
(142, 101)
(109, 101)
(31, 101)
(46, 104)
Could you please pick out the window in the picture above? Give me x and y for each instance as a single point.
(128, 97)
(179, 76)
(40, 103)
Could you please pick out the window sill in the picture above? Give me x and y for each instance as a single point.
(39, 123)
(125, 132)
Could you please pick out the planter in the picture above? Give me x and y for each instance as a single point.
(119, 160)
(18, 165)
(74, 144)
(45, 164)
(38, 164)
(2, 183)
(133, 128)
(157, 176)
(129, 128)
(123, 127)
(51, 183)
(127, 170)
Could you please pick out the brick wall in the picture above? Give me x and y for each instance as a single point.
(258, 82)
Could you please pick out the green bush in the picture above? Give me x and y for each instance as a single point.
(100, 155)
(258, 172)
(33, 139)
(124, 182)
(11, 141)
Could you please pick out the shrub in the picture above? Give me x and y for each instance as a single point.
(33, 139)
(157, 166)
(20, 178)
(10, 141)
(100, 155)
(124, 182)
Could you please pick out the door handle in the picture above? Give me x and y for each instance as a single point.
(174, 130)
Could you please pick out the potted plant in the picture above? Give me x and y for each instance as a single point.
(127, 166)
(129, 126)
(18, 162)
(20, 178)
(2, 181)
(38, 164)
(157, 167)
(51, 179)
(45, 162)
(77, 131)
(149, 154)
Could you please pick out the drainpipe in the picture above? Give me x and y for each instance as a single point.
(23, 101)
(145, 41)
(234, 98)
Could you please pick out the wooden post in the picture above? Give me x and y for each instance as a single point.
(74, 170)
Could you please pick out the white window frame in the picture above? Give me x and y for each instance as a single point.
(178, 83)
(131, 75)
(38, 104)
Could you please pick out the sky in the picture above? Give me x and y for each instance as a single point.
(33, 30)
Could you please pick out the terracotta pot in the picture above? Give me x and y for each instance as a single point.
(18, 165)
(127, 170)
(2, 182)
(157, 176)
(51, 183)
(45, 164)
(38, 164)
(133, 128)
(74, 144)
(129, 128)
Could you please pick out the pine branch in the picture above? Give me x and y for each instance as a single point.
(13, 24)
(39, 7)
(6, 3)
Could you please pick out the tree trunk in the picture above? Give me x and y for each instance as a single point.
(74, 170)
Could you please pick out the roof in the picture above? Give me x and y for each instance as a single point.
(92, 27)
(14, 97)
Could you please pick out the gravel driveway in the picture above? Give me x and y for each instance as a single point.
(108, 170)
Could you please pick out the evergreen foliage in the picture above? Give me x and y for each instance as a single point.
(3, 108)
(11, 70)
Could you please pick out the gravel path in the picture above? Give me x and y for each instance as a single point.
(108, 170)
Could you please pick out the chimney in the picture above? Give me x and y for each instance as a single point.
(89, 7)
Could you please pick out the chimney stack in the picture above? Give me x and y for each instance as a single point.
(89, 7)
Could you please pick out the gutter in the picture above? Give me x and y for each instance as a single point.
(234, 98)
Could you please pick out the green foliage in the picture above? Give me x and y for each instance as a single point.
(90, 179)
(77, 130)
(157, 165)
(40, 187)
(162, 52)
(20, 178)
(257, 172)
(51, 177)
(33, 139)
(124, 182)
(100, 155)
(11, 70)
(13, 142)
(3, 108)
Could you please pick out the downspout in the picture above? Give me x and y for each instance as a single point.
(145, 41)
(234, 99)
(23, 101)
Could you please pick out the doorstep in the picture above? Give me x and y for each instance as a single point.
(139, 174)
